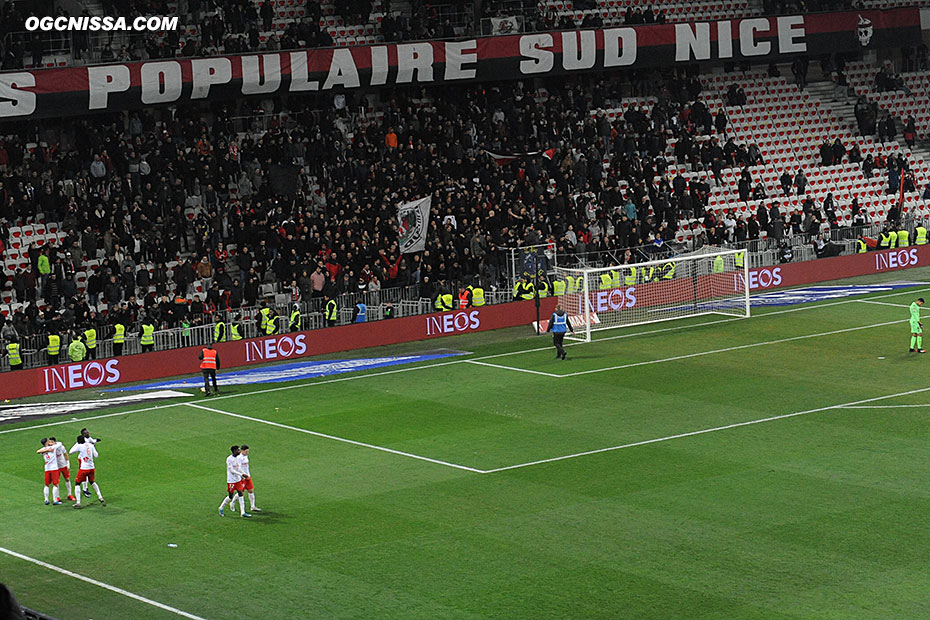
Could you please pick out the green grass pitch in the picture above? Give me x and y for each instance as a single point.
(818, 515)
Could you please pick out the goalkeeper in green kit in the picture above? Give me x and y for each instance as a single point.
(917, 340)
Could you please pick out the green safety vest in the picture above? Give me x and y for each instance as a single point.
(12, 350)
(629, 278)
(331, 310)
(861, 247)
(903, 238)
(606, 281)
(219, 332)
(740, 259)
(718, 264)
(892, 240)
(264, 317)
(295, 320)
(120, 336)
(90, 335)
(571, 284)
(558, 287)
(884, 240)
(234, 332)
(54, 344)
(543, 288)
(186, 328)
(614, 278)
(271, 325)
(148, 334)
(649, 273)
(477, 296)
(523, 291)
(920, 236)
(77, 351)
(446, 301)
(668, 270)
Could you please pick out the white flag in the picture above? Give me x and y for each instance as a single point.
(505, 25)
(413, 219)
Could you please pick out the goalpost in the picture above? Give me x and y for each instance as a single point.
(711, 281)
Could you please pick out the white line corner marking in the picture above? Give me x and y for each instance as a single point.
(100, 584)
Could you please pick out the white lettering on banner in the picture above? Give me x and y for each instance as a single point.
(101, 81)
(759, 278)
(161, 82)
(577, 56)
(896, 259)
(452, 322)
(278, 348)
(619, 47)
(614, 299)
(457, 54)
(75, 376)
(207, 72)
(13, 101)
(264, 78)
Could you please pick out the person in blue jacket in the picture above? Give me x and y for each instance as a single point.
(558, 325)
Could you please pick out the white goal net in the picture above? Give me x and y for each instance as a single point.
(711, 282)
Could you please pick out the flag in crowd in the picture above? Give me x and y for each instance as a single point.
(413, 219)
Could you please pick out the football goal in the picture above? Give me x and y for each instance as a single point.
(711, 281)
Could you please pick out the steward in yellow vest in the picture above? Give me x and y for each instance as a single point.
(331, 313)
(920, 235)
(119, 337)
(477, 296)
(54, 348)
(13, 354)
(90, 341)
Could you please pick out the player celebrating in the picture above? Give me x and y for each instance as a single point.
(234, 482)
(51, 470)
(64, 466)
(917, 328)
(87, 438)
(86, 455)
(246, 480)
(558, 324)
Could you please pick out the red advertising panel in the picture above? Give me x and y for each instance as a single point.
(102, 374)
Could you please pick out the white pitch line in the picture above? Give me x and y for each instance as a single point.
(340, 439)
(533, 372)
(702, 431)
(882, 406)
(882, 303)
(100, 584)
(727, 349)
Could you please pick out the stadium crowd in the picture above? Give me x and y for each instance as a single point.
(308, 198)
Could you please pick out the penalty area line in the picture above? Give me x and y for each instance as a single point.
(100, 584)
(704, 431)
(526, 370)
(339, 439)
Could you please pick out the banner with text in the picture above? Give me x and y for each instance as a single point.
(82, 90)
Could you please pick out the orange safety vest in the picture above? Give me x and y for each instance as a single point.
(209, 360)
(463, 299)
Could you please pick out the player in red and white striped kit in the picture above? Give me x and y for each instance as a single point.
(243, 459)
(51, 470)
(86, 455)
(235, 482)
